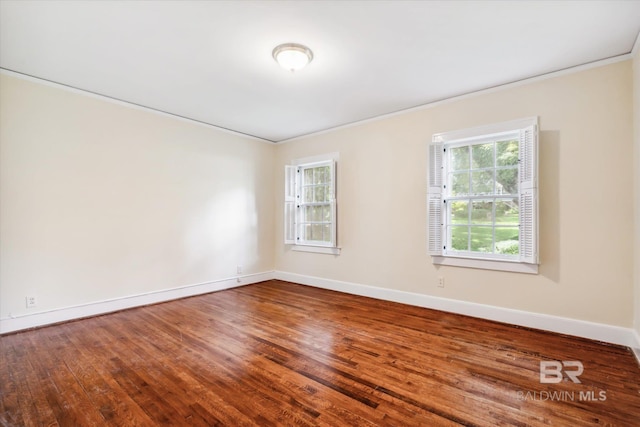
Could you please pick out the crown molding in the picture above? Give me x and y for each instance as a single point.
(128, 104)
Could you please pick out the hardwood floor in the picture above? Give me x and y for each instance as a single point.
(276, 353)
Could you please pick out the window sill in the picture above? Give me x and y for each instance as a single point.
(485, 264)
(316, 249)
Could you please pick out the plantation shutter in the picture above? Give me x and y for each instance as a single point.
(435, 167)
(290, 204)
(528, 174)
(434, 200)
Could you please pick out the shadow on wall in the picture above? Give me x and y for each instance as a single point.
(549, 158)
(225, 233)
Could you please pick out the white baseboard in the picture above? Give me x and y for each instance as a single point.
(596, 331)
(32, 320)
(563, 325)
(636, 345)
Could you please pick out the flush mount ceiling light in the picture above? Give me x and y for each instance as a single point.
(292, 56)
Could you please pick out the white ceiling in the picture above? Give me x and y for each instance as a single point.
(211, 61)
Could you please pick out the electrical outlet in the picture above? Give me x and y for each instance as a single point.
(32, 301)
(239, 269)
(440, 282)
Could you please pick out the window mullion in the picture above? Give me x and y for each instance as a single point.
(469, 210)
(493, 227)
(495, 172)
(484, 197)
(493, 204)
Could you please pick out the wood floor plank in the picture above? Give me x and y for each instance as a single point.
(10, 410)
(276, 353)
(30, 394)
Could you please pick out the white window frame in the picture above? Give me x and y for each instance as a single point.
(526, 130)
(293, 205)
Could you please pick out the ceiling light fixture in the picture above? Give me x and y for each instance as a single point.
(292, 56)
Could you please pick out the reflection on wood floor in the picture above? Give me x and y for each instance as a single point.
(276, 353)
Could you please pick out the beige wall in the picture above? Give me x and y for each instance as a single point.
(636, 122)
(100, 200)
(586, 212)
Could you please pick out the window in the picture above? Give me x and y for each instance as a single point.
(482, 202)
(310, 205)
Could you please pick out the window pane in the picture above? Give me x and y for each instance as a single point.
(482, 212)
(307, 196)
(482, 182)
(319, 193)
(460, 212)
(507, 240)
(460, 158)
(507, 181)
(482, 239)
(459, 184)
(507, 212)
(307, 214)
(318, 175)
(326, 233)
(311, 213)
(316, 231)
(460, 238)
(326, 213)
(308, 176)
(482, 156)
(317, 213)
(507, 153)
(307, 232)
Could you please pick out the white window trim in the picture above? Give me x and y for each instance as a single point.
(436, 220)
(316, 159)
(308, 246)
(485, 264)
(478, 131)
(316, 249)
